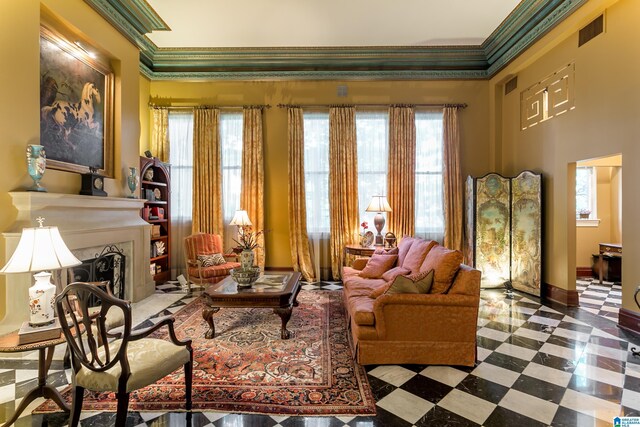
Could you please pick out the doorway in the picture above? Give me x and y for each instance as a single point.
(599, 235)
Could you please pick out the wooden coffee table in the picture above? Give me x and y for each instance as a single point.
(226, 294)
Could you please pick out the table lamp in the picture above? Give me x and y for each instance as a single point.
(40, 248)
(379, 204)
(241, 219)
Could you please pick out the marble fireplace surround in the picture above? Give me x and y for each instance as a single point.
(86, 223)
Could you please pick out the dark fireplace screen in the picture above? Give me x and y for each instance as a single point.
(108, 265)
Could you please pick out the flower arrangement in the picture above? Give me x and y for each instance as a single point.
(365, 226)
(584, 213)
(248, 239)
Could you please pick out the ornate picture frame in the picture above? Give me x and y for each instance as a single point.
(76, 106)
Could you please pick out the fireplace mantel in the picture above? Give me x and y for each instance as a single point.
(84, 222)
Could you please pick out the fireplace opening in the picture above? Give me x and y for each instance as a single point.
(108, 265)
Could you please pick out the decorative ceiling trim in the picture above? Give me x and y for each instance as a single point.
(529, 21)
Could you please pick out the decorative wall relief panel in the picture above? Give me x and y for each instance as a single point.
(504, 229)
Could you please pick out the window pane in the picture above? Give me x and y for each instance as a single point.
(316, 171)
(372, 135)
(429, 216)
(585, 188)
(231, 149)
(181, 159)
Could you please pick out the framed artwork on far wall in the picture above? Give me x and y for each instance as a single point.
(76, 106)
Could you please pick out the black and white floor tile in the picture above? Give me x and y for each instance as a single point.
(603, 299)
(537, 365)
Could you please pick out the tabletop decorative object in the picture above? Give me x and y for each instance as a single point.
(132, 181)
(36, 166)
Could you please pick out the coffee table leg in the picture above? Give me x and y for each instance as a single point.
(207, 314)
(285, 315)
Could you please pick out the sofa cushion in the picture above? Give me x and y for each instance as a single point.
(361, 310)
(356, 285)
(419, 283)
(395, 271)
(378, 265)
(375, 293)
(417, 253)
(349, 271)
(403, 248)
(445, 264)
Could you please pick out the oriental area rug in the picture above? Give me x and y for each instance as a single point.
(247, 368)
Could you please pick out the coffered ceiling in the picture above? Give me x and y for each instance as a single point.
(331, 39)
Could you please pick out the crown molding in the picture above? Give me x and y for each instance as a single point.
(529, 21)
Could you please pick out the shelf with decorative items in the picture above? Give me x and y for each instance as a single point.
(155, 187)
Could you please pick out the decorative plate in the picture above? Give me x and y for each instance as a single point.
(157, 194)
(367, 239)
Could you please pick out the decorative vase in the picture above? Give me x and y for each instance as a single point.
(246, 259)
(132, 181)
(36, 165)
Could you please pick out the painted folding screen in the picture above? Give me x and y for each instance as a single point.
(504, 229)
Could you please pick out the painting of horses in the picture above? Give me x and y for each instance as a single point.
(76, 98)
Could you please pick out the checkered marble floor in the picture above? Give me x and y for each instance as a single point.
(602, 299)
(537, 365)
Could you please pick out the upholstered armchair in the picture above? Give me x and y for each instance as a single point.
(130, 362)
(196, 248)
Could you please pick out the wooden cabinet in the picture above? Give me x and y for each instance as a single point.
(155, 178)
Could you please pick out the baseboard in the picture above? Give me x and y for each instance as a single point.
(278, 269)
(629, 320)
(584, 272)
(566, 297)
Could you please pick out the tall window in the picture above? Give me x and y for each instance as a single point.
(372, 135)
(586, 192)
(181, 160)
(316, 171)
(429, 198)
(231, 150)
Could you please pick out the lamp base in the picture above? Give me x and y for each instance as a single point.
(378, 222)
(41, 299)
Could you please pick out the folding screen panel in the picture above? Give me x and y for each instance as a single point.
(504, 229)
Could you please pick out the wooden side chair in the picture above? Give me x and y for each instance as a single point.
(198, 272)
(129, 362)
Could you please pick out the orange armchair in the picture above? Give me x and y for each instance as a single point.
(206, 244)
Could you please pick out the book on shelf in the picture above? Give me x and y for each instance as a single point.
(29, 334)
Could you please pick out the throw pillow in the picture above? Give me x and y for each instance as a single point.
(211, 260)
(403, 248)
(445, 264)
(394, 272)
(419, 283)
(379, 291)
(383, 251)
(416, 254)
(377, 265)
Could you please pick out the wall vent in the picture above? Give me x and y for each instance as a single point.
(511, 85)
(591, 30)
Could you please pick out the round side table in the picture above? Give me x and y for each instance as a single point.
(9, 344)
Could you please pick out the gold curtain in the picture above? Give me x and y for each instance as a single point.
(207, 172)
(402, 166)
(298, 237)
(160, 134)
(343, 183)
(252, 190)
(453, 208)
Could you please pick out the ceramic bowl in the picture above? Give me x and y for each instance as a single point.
(245, 276)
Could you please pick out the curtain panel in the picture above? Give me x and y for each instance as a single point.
(402, 168)
(343, 184)
(252, 191)
(453, 207)
(160, 134)
(207, 174)
(298, 237)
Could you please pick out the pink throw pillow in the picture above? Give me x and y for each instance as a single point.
(403, 248)
(383, 251)
(416, 254)
(396, 271)
(378, 265)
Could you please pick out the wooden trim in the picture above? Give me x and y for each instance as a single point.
(629, 320)
(584, 272)
(566, 297)
(278, 269)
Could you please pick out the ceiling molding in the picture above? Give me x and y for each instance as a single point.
(527, 23)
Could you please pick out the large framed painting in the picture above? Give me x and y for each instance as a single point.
(76, 106)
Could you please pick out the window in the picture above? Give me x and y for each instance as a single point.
(429, 196)
(181, 159)
(372, 135)
(316, 171)
(586, 192)
(231, 149)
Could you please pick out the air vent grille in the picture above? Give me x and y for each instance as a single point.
(591, 30)
(511, 85)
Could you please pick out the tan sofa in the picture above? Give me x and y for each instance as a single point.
(436, 328)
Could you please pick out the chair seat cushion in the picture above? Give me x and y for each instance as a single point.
(149, 360)
(214, 271)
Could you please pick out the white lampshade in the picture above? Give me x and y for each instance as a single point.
(379, 204)
(241, 219)
(40, 249)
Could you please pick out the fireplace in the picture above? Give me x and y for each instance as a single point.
(108, 265)
(88, 225)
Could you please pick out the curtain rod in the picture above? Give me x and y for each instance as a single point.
(221, 107)
(370, 105)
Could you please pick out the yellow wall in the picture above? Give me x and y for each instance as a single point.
(19, 111)
(474, 126)
(604, 122)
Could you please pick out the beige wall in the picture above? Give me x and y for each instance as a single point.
(604, 122)
(19, 112)
(474, 126)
